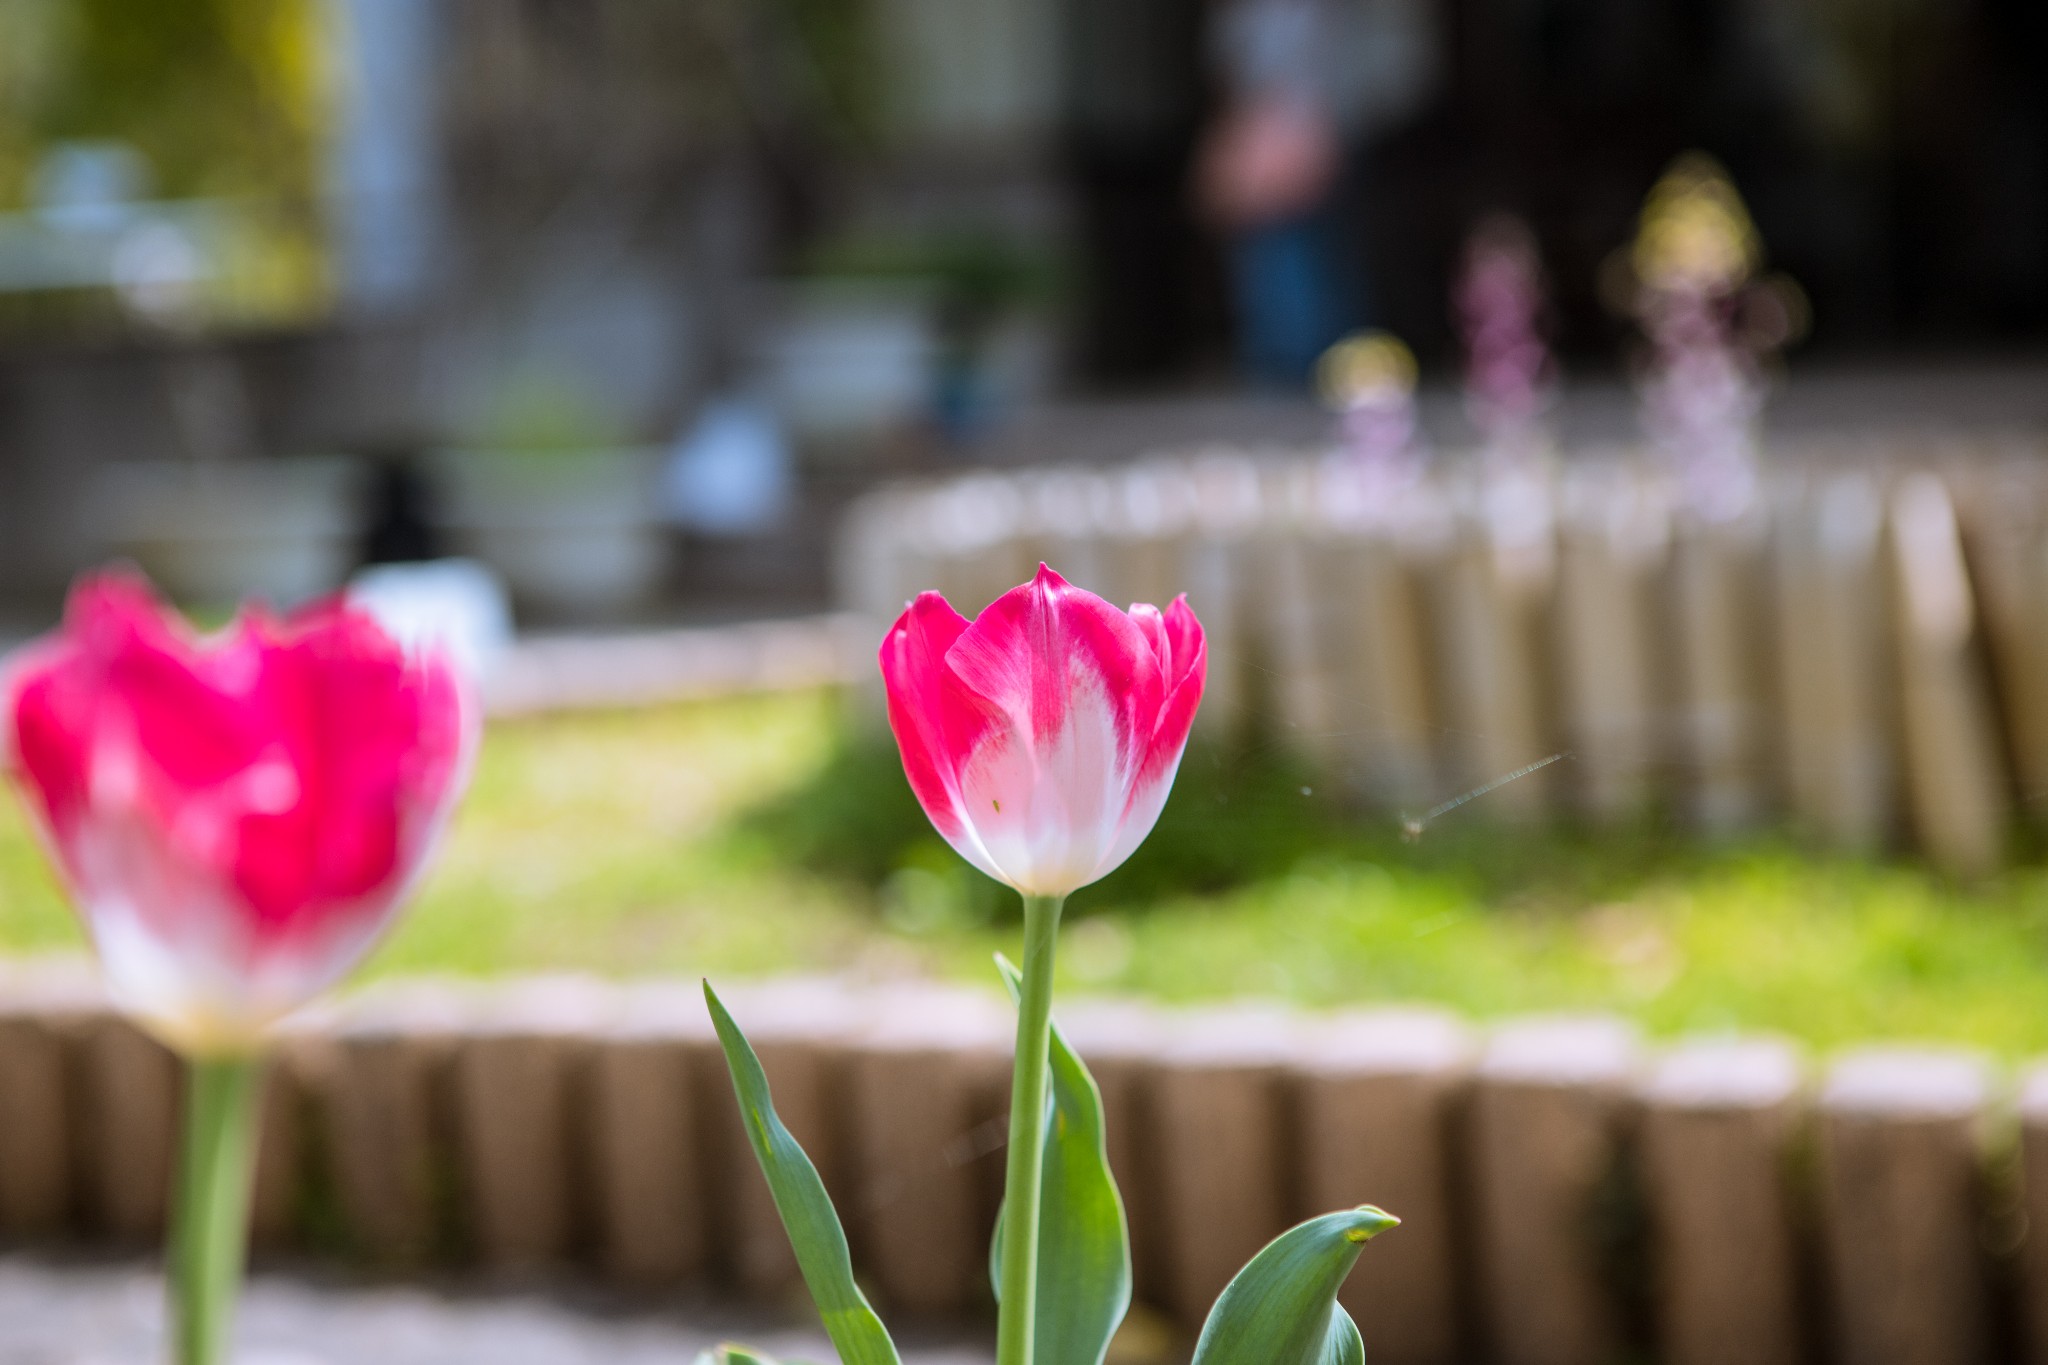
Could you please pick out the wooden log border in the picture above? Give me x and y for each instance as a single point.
(1573, 1194)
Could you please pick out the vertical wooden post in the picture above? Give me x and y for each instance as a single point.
(43, 1009)
(1956, 784)
(1900, 1133)
(1835, 668)
(132, 1102)
(1392, 737)
(1150, 505)
(1718, 610)
(2002, 500)
(1550, 1108)
(1613, 549)
(1221, 1141)
(921, 1134)
(973, 528)
(385, 1098)
(300, 1057)
(1378, 1093)
(1363, 566)
(1300, 622)
(1216, 561)
(1287, 629)
(2033, 1115)
(519, 1073)
(1062, 525)
(1719, 1121)
(1495, 597)
(648, 1166)
(1118, 1041)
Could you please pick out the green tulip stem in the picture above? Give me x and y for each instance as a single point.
(210, 1234)
(1018, 1311)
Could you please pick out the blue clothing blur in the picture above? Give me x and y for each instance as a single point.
(1298, 290)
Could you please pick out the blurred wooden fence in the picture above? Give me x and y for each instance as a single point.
(1862, 648)
(1569, 1196)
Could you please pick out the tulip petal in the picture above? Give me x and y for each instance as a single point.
(1186, 678)
(1184, 657)
(937, 722)
(1080, 685)
(1190, 648)
(1152, 626)
(1039, 646)
(1045, 812)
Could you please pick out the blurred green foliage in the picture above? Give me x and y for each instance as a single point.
(546, 411)
(224, 97)
(226, 100)
(836, 41)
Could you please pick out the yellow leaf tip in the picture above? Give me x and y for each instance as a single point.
(1368, 1222)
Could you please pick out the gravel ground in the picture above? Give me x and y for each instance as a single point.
(111, 1313)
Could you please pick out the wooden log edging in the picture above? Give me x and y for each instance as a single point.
(1720, 1124)
(1901, 1133)
(1571, 1194)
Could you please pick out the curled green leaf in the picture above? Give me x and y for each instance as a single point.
(1282, 1308)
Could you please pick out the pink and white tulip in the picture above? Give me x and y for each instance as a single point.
(239, 817)
(1042, 738)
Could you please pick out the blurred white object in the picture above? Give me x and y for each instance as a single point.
(216, 532)
(157, 271)
(456, 605)
(731, 472)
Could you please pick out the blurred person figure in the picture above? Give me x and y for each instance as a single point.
(1308, 86)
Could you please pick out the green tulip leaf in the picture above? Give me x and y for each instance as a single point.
(1084, 1248)
(806, 1209)
(1282, 1308)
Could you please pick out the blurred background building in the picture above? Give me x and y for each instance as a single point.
(625, 299)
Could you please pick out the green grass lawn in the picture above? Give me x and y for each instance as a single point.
(751, 836)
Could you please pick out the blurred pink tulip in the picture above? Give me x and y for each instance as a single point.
(238, 817)
(1043, 737)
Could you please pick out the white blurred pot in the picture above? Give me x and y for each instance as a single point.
(576, 534)
(213, 534)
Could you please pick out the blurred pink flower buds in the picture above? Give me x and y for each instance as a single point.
(237, 818)
(1509, 374)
